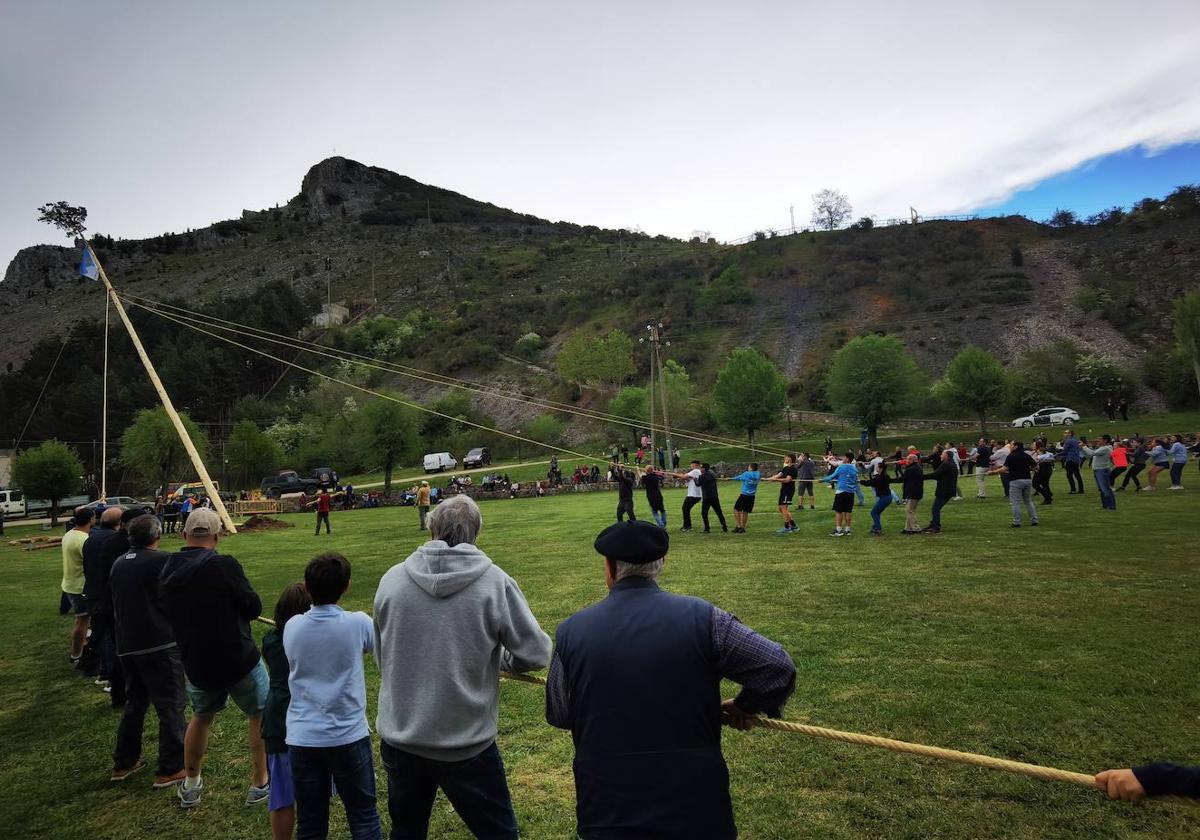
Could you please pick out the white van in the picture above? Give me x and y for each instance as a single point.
(439, 462)
(12, 502)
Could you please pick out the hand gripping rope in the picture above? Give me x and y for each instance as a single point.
(1036, 771)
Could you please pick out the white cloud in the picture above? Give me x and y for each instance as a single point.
(673, 116)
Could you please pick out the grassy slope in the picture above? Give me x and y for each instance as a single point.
(1069, 646)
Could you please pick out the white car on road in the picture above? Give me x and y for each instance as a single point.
(1048, 417)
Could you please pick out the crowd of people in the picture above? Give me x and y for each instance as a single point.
(180, 625)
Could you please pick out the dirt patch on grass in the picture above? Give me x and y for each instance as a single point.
(264, 523)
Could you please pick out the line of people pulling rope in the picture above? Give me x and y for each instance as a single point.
(1024, 474)
(635, 678)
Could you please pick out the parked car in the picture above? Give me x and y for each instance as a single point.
(122, 502)
(1048, 417)
(288, 481)
(12, 503)
(480, 456)
(325, 476)
(34, 507)
(439, 462)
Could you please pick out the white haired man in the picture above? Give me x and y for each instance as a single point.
(439, 700)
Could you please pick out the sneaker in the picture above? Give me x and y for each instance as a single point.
(836, 534)
(687, 528)
(166, 780)
(1016, 525)
(875, 533)
(120, 775)
(784, 531)
(258, 795)
(1175, 487)
(100, 681)
(107, 689)
(846, 533)
(190, 797)
(1033, 524)
(724, 529)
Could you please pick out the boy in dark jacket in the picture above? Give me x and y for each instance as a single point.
(210, 604)
(293, 601)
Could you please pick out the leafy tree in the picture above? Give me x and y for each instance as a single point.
(389, 435)
(1186, 312)
(545, 429)
(50, 471)
(70, 220)
(728, 287)
(873, 378)
(864, 223)
(251, 454)
(831, 209)
(152, 449)
(750, 392)
(597, 361)
(974, 380)
(1101, 377)
(1063, 219)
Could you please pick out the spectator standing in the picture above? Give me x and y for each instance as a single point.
(1123, 407)
(73, 579)
(439, 700)
(210, 604)
(422, 504)
(281, 803)
(150, 660)
(636, 678)
(323, 507)
(327, 735)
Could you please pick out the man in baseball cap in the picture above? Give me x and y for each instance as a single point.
(637, 679)
(211, 604)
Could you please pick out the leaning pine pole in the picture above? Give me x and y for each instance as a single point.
(193, 454)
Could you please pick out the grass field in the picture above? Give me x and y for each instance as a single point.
(1072, 645)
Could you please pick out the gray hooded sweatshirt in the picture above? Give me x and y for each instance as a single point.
(447, 621)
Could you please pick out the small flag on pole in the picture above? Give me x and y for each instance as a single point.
(87, 266)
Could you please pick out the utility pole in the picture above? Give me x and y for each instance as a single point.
(657, 339)
(792, 211)
(328, 293)
(653, 365)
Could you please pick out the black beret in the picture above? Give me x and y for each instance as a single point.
(633, 542)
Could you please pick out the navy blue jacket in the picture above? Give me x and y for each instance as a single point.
(643, 679)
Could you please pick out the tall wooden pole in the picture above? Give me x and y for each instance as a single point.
(194, 455)
(104, 415)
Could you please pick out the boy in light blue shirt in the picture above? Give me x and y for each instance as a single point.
(750, 477)
(327, 735)
(845, 476)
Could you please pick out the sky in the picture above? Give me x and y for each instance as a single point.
(674, 117)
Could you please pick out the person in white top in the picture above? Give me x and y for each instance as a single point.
(693, 493)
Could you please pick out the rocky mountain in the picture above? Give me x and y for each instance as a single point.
(469, 281)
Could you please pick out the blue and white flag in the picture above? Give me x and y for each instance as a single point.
(87, 266)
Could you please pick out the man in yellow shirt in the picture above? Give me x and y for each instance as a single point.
(423, 502)
(72, 580)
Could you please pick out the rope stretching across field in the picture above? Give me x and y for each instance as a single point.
(1036, 771)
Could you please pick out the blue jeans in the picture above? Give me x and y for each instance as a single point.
(1177, 473)
(935, 517)
(859, 493)
(881, 505)
(353, 772)
(476, 788)
(1108, 499)
(660, 516)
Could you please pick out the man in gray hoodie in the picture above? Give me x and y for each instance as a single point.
(447, 621)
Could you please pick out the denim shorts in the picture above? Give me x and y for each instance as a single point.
(249, 694)
(279, 770)
(78, 603)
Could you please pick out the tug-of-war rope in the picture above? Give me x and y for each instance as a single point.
(1037, 771)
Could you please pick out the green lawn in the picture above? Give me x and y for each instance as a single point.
(1072, 645)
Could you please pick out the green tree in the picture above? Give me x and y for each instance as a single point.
(251, 454)
(975, 380)
(631, 403)
(601, 361)
(389, 434)
(50, 471)
(152, 449)
(545, 429)
(1187, 329)
(874, 379)
(750, 392)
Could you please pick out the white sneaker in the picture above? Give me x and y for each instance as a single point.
(189, 797)
(1175, 487)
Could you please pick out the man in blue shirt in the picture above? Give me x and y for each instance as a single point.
(327, 735)
(1072, 455)
(750, 477)
(844, 480)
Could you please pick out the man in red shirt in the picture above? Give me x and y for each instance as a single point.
(322, 511)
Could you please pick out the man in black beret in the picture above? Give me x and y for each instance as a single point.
(636, 678)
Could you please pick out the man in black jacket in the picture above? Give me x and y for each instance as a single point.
(95, 586)
(914, 490)
(211, 604)
(1160, 779)
(946, 476)
(149, 657)
(115, 546)
(625, 480)
(710, 497)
